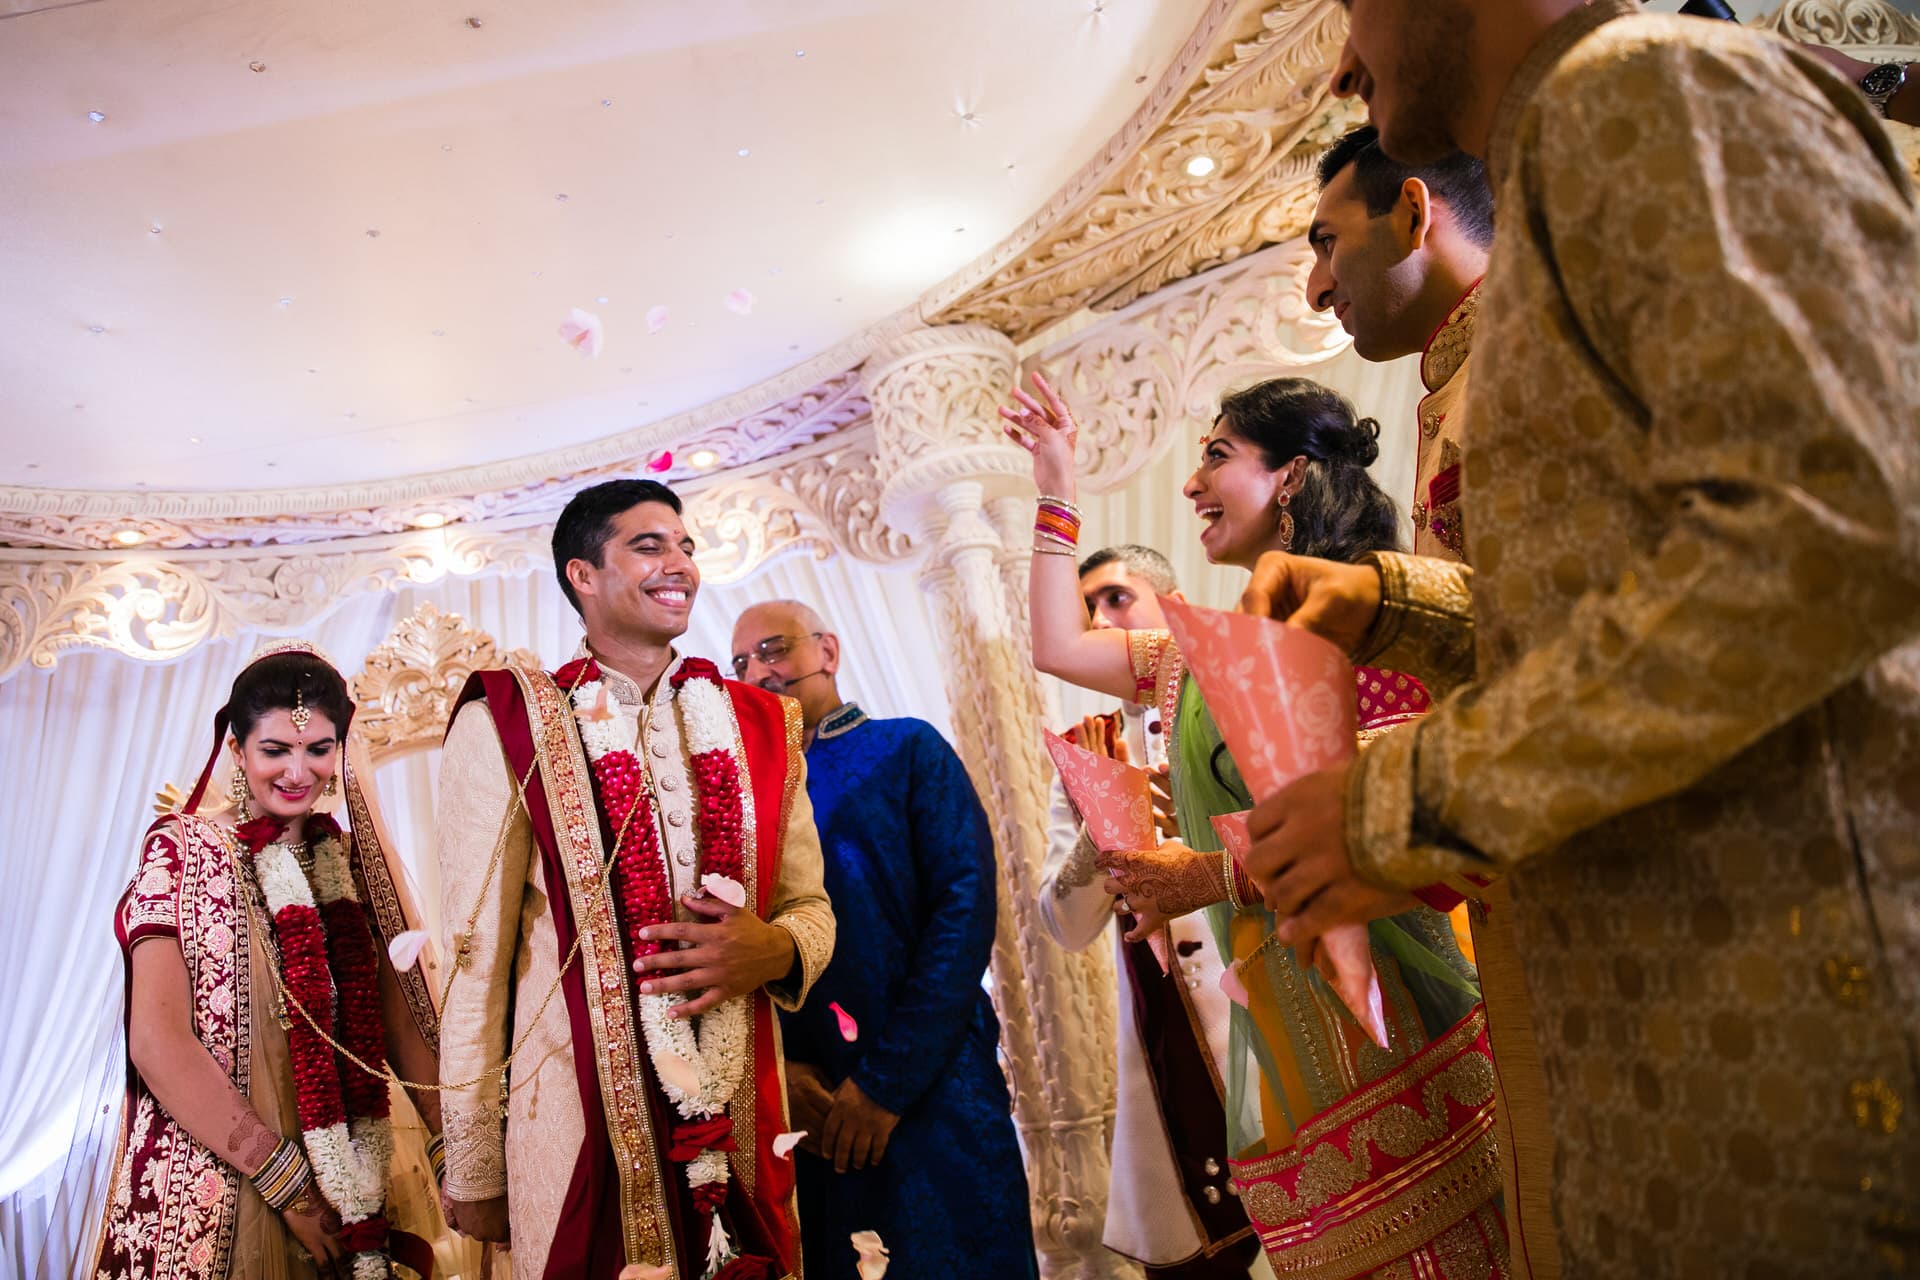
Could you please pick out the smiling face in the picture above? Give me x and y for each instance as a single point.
(643, 588)
(1364, 270)
(286, 766)
(1408, 60)
(1237, 497)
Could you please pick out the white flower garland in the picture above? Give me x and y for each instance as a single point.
(713, 1046)
(351, 1168)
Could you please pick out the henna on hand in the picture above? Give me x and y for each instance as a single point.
(1169, 881)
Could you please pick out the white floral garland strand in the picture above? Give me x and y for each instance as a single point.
(350, 1167)
(714, 1050)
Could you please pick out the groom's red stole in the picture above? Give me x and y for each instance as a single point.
(641, 1202)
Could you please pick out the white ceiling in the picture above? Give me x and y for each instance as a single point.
(144, 340)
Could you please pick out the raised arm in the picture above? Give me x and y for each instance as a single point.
(1063, 644)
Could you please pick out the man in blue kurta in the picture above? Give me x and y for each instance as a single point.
(891, 1066)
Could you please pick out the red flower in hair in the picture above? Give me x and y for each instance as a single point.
(260, 832)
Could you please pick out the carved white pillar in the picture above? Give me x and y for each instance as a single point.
(955, 484)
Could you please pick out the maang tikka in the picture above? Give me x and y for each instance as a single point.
(300, 715)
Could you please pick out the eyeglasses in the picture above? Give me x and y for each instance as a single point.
(771, 650)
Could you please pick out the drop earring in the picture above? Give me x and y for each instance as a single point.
(333, 786)
(242, 794)
(1286, 523)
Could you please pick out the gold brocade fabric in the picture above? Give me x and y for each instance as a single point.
(1690, 730)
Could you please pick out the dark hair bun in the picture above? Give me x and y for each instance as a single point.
(1357, 443)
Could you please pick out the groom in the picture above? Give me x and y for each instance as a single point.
(631, 880)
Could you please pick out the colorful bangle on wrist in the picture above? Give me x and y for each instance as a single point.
(284, 1176)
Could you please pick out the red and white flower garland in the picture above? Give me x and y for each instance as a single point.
(699, 1062)
(331, 970)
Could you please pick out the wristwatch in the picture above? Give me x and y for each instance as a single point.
(1882, 83)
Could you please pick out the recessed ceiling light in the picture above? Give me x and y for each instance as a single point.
(701, 459)
(1201, 165)
(129, 537)
(744, 152)
(429, 520)
(98, 117)
(155, 229)
(799, 53)
(193, 439)
(286, 302)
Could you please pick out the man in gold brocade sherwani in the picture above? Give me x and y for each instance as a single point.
(1681, 691)
(1399, 252)
(633, 811)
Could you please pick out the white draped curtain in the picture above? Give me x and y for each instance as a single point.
(83, 749)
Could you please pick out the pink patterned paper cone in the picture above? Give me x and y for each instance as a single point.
(1112, 798)
(1283, 700)
(1282, 697)
(1233, 833)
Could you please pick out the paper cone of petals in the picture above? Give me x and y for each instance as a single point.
(1283, 700)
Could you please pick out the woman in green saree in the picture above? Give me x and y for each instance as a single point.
(1352, 1159)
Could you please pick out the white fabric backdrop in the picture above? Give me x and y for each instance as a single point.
(84, 747)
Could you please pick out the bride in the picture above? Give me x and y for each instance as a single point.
(263, 1012)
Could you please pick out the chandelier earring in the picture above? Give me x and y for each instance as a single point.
(1286, 523)
(242, 794)
(333, 785)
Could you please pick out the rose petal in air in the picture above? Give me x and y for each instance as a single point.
(581, 331)
(1231, 986)
(783, 1144)
(657, 319)
(873, 1254)
(660, 462)
(740, 302)
(678, 1072)
(849, 1029)
(725, 888)
(404, 950)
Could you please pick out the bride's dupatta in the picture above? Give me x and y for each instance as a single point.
(1351, 1159)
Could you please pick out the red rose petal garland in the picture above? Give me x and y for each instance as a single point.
(699, 1062)
(331, 971)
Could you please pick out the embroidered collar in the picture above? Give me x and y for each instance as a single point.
(838, 721)
(624, 689)
(1533, 72)
(1447, 350)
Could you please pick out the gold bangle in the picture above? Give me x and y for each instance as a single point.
(283, 1176)
(1049, 499)
(1233, 896)
(437, 1157)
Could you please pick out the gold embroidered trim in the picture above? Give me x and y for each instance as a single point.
(743, 1106)
(646, 1228)
(1425, 624)
(376, 884)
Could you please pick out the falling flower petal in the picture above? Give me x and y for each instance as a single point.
(678, 1072)
(581, 331)
(660, 462)
(725, 888)
(740, 302)
(1231, 986)
(656, 319)
(602, 709)
(849, 1029)
(873, 1254)
(405, 948)
(784, 1144)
